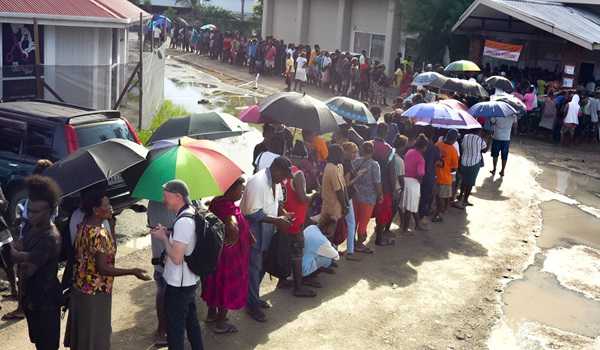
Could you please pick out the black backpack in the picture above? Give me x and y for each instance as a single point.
(277, 258)
(210, 231)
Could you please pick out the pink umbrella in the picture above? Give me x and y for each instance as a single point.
(455, 104)
(251, 115)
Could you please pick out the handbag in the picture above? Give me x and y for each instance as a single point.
(341, 232)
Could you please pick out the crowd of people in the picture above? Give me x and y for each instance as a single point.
(343, 73)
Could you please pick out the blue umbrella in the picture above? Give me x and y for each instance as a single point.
(351, 109)
(160, 21)
(492, 109)
(440, 115)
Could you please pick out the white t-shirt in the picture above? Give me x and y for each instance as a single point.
(259, 195)
(76, 219)
(156, 32)
(300, 63)
(184, 231)
(502, 127)
(265, 159)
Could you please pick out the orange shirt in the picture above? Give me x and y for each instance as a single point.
(320, 146)
(450, 160)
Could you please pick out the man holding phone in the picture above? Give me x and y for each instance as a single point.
(159, 215)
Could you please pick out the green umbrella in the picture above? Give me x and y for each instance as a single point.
(199, 163)
(462, 66)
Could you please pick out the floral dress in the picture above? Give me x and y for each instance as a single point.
(90, 241)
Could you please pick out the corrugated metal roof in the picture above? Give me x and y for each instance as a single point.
(109, 9)
(570, 22)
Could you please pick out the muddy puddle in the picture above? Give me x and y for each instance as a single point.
(560, 291)
(199, 92)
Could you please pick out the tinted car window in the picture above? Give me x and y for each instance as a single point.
(39, 141)
(91, 134)
(11, 134)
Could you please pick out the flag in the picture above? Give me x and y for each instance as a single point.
(503, 51)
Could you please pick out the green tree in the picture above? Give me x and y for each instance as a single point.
(433, 21)
(257, 10)
(170, 13)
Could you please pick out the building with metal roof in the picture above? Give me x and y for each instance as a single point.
(561, 36)
(81, 47)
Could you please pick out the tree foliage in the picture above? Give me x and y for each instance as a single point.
(433, 21)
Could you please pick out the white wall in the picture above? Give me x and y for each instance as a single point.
(369, 16)
(285, 20)
(323, 22)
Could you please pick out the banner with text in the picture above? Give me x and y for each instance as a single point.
(502, 51)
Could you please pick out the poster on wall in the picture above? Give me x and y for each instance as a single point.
(503, 51)
(18, 49)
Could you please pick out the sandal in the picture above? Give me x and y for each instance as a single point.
(304, 293)
(352, 257)
(385, 243)
(311, 282)
(13, 316)
(229, 329)
(437, 219)
(327, 270)
(363, 249)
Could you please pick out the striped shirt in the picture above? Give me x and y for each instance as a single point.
(471, 147)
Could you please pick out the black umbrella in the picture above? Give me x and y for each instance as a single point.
(464, 87)
(500, 82)
(300, 111)
(208, 126)
(97, 164)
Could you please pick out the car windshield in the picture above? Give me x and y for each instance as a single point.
(91, 134)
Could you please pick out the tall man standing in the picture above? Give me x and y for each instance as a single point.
(501, 140)
(261, 206)
(180, 293)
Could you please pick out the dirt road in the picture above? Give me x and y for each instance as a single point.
(433, 290)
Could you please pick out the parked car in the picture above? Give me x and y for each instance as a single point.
(33, 130)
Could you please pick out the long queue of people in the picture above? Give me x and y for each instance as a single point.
(344, 73)
(305, 200)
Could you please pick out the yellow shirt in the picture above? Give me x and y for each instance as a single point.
(289, 65)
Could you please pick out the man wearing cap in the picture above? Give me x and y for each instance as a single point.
(181, 282)
(261, 206)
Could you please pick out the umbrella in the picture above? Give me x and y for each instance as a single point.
(431, 79)
(465, 87)
(499, 82)
(440, 115)
(351, 109)
(455, 104)
(96, 164)
(492, 109)
(208, 27)
(300, 111)
(160, 21)
(200, 163)
(210, 126)
(251, 115)
(462, 66)
(182, 21)
(512, 100)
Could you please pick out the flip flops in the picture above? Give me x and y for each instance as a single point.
(229, 329)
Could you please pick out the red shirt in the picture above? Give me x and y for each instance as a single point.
(293, 204)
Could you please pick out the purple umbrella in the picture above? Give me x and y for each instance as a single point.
(439, 115)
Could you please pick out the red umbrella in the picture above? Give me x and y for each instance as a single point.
(251, 115)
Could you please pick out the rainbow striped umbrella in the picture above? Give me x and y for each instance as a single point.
(462, 66)
(200, 163)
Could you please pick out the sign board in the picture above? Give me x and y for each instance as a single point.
(503, 51)
(569, 69)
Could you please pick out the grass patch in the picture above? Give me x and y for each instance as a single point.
(167, 111)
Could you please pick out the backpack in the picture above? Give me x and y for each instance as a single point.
(276, 261)
(210, 231)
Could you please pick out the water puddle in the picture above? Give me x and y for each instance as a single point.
(566, 224)
(585, 189)
(539, 297)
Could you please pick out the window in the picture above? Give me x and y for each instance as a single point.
(92, 134)
(39, 142)
(374, 44)
(11, 134)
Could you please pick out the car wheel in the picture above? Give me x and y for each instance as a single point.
(14, 213)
